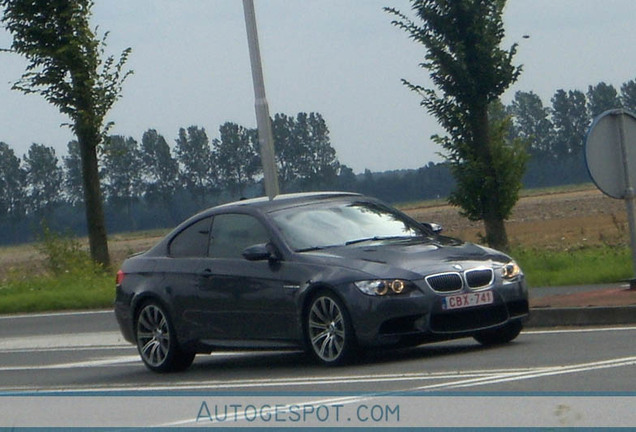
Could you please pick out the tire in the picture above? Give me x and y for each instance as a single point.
(500, 335)
(328, 330)
(157, 342)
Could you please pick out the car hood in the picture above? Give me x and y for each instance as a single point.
(411, 259)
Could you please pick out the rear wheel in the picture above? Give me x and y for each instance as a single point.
(329, 331)
(500, 335)
(156, 341)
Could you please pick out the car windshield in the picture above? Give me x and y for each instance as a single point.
(342, 223)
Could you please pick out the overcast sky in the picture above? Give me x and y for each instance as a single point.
(341, 58)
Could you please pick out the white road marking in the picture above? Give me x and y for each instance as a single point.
(56, 314)
(538, 372)
(579, 330)
(100, 339)
(110, 361)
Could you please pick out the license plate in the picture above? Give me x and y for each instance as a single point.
(460, 301)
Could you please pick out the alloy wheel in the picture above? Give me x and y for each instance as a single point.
(327, 329)
(153, 336)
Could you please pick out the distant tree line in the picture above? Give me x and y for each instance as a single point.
(149, 183)
(555, 134)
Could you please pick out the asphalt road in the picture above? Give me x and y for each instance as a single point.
(83, 352)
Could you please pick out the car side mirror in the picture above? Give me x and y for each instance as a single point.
(260, 252)
(436, 228)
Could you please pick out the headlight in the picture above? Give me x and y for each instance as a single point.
(510, 270)
(381, 287)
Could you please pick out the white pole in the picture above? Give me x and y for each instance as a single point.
(263, 121)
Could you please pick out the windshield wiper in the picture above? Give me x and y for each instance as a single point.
(380, 238)
(314, 248)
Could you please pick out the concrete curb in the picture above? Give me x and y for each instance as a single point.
(581, 316)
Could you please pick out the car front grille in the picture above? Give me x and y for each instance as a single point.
(479, 278)
(445, 282)
(450, 282)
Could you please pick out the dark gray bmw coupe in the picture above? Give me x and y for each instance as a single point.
(328, 272)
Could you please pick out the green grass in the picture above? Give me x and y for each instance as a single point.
(71, 280)
(63, 292)
(585, 266)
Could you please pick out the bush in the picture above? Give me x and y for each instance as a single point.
(65, 254)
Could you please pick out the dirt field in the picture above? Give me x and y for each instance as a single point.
(558, 220)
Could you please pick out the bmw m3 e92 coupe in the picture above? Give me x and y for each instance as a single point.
(332, 273)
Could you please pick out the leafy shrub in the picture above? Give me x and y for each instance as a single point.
(64, 253)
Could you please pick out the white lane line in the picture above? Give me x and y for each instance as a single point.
(579, 330)
(63, 341)
(111, 361)
(536, 373)
(56, 314)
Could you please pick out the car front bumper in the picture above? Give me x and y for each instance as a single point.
(420, 315)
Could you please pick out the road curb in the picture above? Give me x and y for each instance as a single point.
(581, 316)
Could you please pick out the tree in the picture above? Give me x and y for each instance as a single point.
(628, 95)
(122, 173)
(195, 157)
(571, 120)
(602, 97)
(288, 152)
(347, 180)
(532, 123)
(66, 68)
(44, 179)
(160, 169)
(236, 157)
(305, 157)
(321, 166)
(12, 184)
(466, 64)
(73, 173)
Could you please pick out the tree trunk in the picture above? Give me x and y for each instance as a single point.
(97, 237)
(496, 236)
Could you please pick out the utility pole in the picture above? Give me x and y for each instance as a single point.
(265, 137)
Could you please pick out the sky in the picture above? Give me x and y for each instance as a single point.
(340, 58)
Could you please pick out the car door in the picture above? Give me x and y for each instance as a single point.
(187, 254)
(244, 300)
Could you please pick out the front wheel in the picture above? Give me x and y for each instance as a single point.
(500, 335)
(329, 331)
(157, 343)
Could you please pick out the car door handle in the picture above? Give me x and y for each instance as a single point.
(206, 273)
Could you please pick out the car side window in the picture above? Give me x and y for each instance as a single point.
(232, 233)
(192, 241)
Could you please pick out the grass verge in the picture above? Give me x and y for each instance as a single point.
(584, 266)
(57, 292)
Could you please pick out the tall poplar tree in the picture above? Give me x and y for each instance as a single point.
(44, 179)
(66, 67)
(465, 62)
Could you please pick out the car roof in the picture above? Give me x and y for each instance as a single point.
(283, 200)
